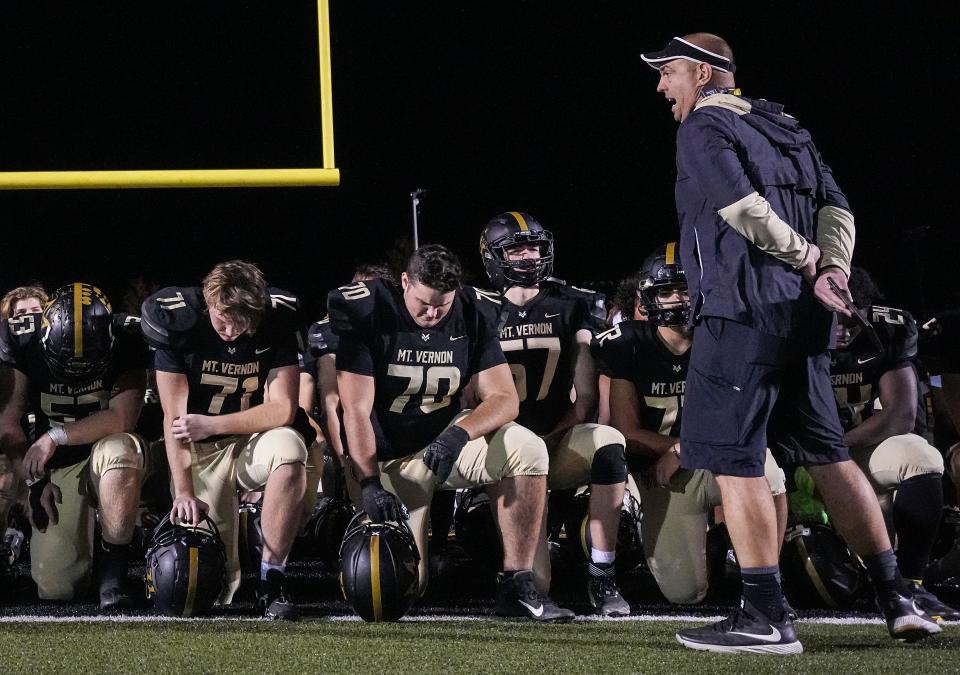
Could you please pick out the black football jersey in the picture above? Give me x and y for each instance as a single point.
(225, 377)
(319, 341)
(55, 401)
(855, 372)
(633, 351)
(538, 339)
(419, 373)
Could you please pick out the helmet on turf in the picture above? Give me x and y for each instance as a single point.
(250, 537)
(76, 333)
(378, 568)
(185, 568)
(818, 569)
(629, 544)
(512, 229)
(475, 528)
(661, 277)
(324, 532)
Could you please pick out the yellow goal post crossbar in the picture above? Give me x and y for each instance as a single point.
(327, 175)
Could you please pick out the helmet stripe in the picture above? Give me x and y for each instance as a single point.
(671, 257)
(814, 575)
(192, 581)
(584, 535)
(78, 320)
(375, 577)
(521, 221)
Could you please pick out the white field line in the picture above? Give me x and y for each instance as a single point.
(425, 618)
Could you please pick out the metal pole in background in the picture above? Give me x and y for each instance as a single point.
(415, 202)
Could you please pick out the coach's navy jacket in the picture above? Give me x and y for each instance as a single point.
(728, 148)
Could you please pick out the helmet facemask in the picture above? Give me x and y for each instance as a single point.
(526, 272)
(666, 304)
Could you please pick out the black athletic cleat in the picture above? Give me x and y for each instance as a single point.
(745, 631)
(604, 593)
(272, 601)
(114, 589)
(905, 619)
(518, 596)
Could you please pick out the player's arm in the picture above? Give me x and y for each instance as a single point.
(498, 405)
(585, 384)
(120, 416)
(330, 403)
(898, 398)
(356, 396)
(174, 389)
(626, 411)
(14, 401)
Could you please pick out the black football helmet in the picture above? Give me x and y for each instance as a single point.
(76, 334)
(185, 568)
(511, 229)
(324, 532)
(819, 570)
(629, 543)
(475, 529)
(662, 273)
(378, 568)
(250, 537)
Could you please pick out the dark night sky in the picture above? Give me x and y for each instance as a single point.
(542, 106)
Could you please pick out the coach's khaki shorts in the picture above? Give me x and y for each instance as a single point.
(221, 468)
(512, 450)
(61, 557)
(674, 528)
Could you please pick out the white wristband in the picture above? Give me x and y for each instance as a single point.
(58, 435)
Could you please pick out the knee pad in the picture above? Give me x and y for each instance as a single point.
(281, 446)
(526, 453)
(117, 451)
(609, 465)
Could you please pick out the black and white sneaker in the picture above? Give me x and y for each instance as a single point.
(518, 596)
(905, 618)
(745, 631)
(272, 601)
(930, 603)
(604, 593)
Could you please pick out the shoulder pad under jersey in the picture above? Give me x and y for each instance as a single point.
(897, 330)
(354, 308)
(169, 315)
(596, 303)
(282, 315)
(16, 333)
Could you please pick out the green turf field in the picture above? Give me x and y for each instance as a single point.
(448, 647)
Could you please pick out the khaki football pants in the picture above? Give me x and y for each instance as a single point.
(221, 468)
(510, 451)
(896, 459)
(674, 528)
(571, 456)
(61, 557)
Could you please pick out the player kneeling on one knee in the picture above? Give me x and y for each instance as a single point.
(545, 328)
(226, 362)
(82, 370)
(404, 356)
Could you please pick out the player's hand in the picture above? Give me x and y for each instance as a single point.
(666, 466)
(188, 509)
(443, 452)
(827, 296)
(193, 428)
(37, 456)
(379, 504)
(809, 267)
(44, 497)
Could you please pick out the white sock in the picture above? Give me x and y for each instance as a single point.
(602, 557)
(266, 567)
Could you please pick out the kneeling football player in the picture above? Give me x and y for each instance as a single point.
(404, 356)
(545, 328)
(647, 362)
(82, 371)
(227, 374)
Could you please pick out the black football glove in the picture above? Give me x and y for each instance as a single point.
(379, 504)
(443, 452)
(37, 513)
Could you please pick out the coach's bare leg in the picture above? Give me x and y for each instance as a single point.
(782, 508)
(606, 503)
(119, 498)
(852, 505)
(281, 511)
(751, 519)
(521, 504)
